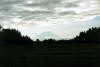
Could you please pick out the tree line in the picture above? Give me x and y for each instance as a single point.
(13, 36)
(90, 36)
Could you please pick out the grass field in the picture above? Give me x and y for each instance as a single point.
(63, 55)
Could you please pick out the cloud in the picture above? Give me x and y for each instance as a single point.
(34, 12)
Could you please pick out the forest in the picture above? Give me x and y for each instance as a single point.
(17, 50)
(13, 36)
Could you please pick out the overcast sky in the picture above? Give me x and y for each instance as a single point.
(62, 17)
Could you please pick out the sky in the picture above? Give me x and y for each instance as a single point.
(65, 18)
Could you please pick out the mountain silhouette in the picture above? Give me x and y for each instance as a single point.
(47, 35)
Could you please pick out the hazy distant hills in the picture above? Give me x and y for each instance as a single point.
(47, 35)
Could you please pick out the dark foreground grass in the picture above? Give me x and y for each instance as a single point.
(64, 55)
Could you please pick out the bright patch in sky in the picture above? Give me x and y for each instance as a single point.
(29, 13)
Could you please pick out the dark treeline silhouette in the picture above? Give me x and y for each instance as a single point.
(90, 36)
(13, 36)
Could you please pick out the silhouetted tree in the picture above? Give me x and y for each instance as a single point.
(37, 41)
(90, 36)
(13, 36)
(0, 26)
(49, 41)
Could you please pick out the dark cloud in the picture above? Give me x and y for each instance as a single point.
(33, 11)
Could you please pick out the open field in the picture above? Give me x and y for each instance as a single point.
(64, 55)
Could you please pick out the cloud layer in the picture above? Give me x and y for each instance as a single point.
(34, 12)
